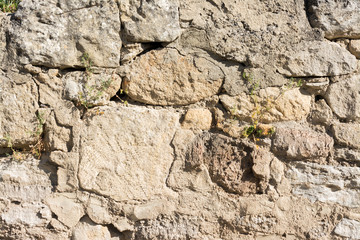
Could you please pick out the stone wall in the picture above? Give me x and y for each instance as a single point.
(169, 119)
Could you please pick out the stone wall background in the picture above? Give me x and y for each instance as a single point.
(167, 160)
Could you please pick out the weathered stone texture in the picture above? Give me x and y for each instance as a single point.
(270, 105)
(338, 19)
(198, 119)
(229, 162)
(320, 59)
(348, 228)
(301, 144)
(344, 97)
(354, 48)
(4, 23)
(127, 156)
(164, 77)
(87, 230)
(23, 182)
(62, 32)
(150, 21)
(326, 183)
(347, 134)
(93, 88)
(134, 137)
(62, 205)
(18, 106)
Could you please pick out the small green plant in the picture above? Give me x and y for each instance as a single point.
(93, 93)
(122, 91)
(36, 148)
(293, 83)
(9, 6)
(256, 128)
(86, 61)
(16, 155)
(252, 82)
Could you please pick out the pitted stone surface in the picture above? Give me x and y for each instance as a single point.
(326, 183)
(164, 77)
(128, 156)
(63, 31)
(229, 162)
(301, 144)
(150, 21)
(338, 19)
(343, 97)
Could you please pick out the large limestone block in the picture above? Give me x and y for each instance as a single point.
(165, 77)
(347, 134)
(343, 97)
(301, 144)
(125, 152)
(338, 19)
(270, 105)
(250, 31)
(318, 59)
(18, 110)
(62, 31)
(325, 183)
(150, 21)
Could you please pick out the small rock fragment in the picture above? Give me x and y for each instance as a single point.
(348, 228)
(198, 119)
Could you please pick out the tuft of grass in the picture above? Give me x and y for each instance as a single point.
(9, 6)
(36, 149)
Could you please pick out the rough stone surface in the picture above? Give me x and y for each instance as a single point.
(137, 142)
(321, 113)
(348, 228)
(320, 59)
(344, 97)
(338, 19)
(167, 157)
(343, 154)
(23, 181)
(62, 205)
(301, 144)
(164, 77)
(197, 118)
(150, 21)
(270, 105)
(354, 48)
(4, 23)
(18, 106)
(87, 230)
(326, 183)
(151, 210)
(62, 32)
(91, 90)
(347, 134)
(28, 214)
(98, 210)
(229, 162)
